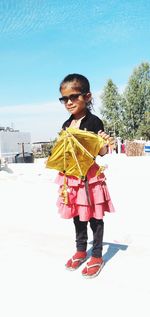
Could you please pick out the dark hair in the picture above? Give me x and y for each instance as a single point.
(84, 85)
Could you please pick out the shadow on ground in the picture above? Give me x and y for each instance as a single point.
(112, 250)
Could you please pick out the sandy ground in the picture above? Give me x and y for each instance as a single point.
(35, 244)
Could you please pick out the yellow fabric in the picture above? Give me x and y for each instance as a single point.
(74, 152)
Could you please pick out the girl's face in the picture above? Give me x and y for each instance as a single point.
(76, 105)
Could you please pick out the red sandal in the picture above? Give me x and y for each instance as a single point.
(93, 267)
(78, 258)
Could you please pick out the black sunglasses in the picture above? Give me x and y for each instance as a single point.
(72, 98)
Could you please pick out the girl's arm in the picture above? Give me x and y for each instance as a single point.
(111, 143)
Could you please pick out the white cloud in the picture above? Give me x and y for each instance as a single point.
(43, 121)
(28, 109)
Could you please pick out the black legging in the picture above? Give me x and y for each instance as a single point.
(97, 227)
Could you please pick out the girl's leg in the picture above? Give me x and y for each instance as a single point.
(81, 244)
(81, 234)
(97, 226)
(96, 263)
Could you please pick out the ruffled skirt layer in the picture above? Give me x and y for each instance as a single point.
(86, 200)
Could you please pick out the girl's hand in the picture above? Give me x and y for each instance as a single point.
(110, 142)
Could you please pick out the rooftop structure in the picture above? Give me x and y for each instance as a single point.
(13, 142)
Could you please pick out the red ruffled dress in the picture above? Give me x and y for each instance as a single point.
(93, 204)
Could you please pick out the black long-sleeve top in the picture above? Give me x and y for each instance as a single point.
(90, 123)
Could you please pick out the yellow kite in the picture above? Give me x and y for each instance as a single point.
(75, 152)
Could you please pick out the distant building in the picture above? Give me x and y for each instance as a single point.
(13, 142)
(41, 148)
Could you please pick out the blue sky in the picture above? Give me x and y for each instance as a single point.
(42, 41)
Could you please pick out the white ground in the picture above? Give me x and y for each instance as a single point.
(35, 244)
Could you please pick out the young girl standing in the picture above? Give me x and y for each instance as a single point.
(77, 98)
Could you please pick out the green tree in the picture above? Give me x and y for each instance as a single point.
(144, 128)
(110, 110)
(136, 102)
